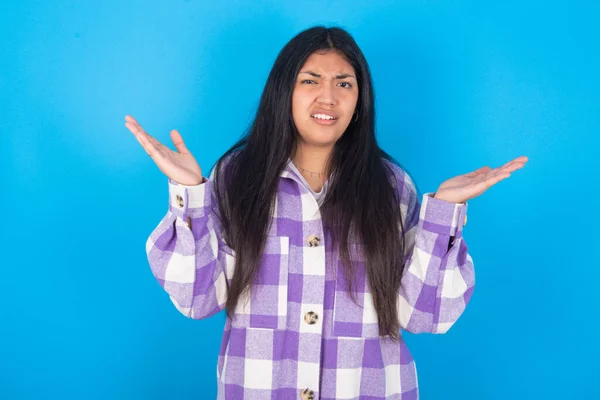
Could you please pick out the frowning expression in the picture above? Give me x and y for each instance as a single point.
(324, 98)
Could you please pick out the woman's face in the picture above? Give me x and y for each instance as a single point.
(324, 98)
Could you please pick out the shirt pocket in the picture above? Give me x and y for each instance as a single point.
(266, 305)
(356, 317)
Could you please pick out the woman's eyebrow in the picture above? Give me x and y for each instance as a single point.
(340, 76)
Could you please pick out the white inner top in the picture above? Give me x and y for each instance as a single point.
(319, 196)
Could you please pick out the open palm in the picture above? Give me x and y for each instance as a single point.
(180, 165)
(465, 187)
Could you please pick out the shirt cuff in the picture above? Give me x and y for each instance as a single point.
(443, 217)
(190, 201)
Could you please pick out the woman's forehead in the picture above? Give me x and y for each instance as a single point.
(329, 63)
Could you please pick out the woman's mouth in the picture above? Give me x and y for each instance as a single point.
(323, 119)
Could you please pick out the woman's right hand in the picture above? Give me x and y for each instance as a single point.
(180, 166)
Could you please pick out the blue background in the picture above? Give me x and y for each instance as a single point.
(459, 85)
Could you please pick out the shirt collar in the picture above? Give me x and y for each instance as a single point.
(288, 172)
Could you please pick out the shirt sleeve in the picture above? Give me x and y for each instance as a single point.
(438, 277)
(187, 253)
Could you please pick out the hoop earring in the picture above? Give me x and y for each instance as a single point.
(356, 116)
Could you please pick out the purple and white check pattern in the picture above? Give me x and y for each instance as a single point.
(268, 350)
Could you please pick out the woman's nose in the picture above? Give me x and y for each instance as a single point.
(326, 96)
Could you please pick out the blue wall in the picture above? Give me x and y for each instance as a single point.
(459, 85)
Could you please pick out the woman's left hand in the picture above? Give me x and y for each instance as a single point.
(465, 187)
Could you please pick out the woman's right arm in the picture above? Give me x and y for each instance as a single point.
(187, 253)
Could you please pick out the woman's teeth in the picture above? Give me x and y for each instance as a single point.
(322, 116)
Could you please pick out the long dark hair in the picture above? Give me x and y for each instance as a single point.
(361, 202)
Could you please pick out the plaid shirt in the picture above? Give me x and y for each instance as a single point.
(300, 335)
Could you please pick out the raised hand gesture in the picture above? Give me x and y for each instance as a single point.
(180, 165)
(465, 187)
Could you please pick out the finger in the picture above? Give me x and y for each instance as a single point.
(485, 180)
(146, 145)
(489, 176)
(178, 142)
(132, 121)
(158, 145)
(511, 167)
(129, 118)
(138, 130)
(522, 159)
(518, 160)
(491, 181)
(142, 138)
(134, 128)
(514, 167)
(478, 171)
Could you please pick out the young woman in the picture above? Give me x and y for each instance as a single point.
(313, 239)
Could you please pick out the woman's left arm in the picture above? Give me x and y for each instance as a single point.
(439, 277)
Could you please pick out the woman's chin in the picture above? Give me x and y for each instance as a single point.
(320, 139)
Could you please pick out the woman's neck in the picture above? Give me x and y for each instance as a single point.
(312, 164)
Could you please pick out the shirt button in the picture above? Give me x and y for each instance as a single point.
(307, 394)
(313, 241)
(311, 318)
(179, 201)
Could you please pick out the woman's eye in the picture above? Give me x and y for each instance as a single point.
(348, 85)
(307, 80)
